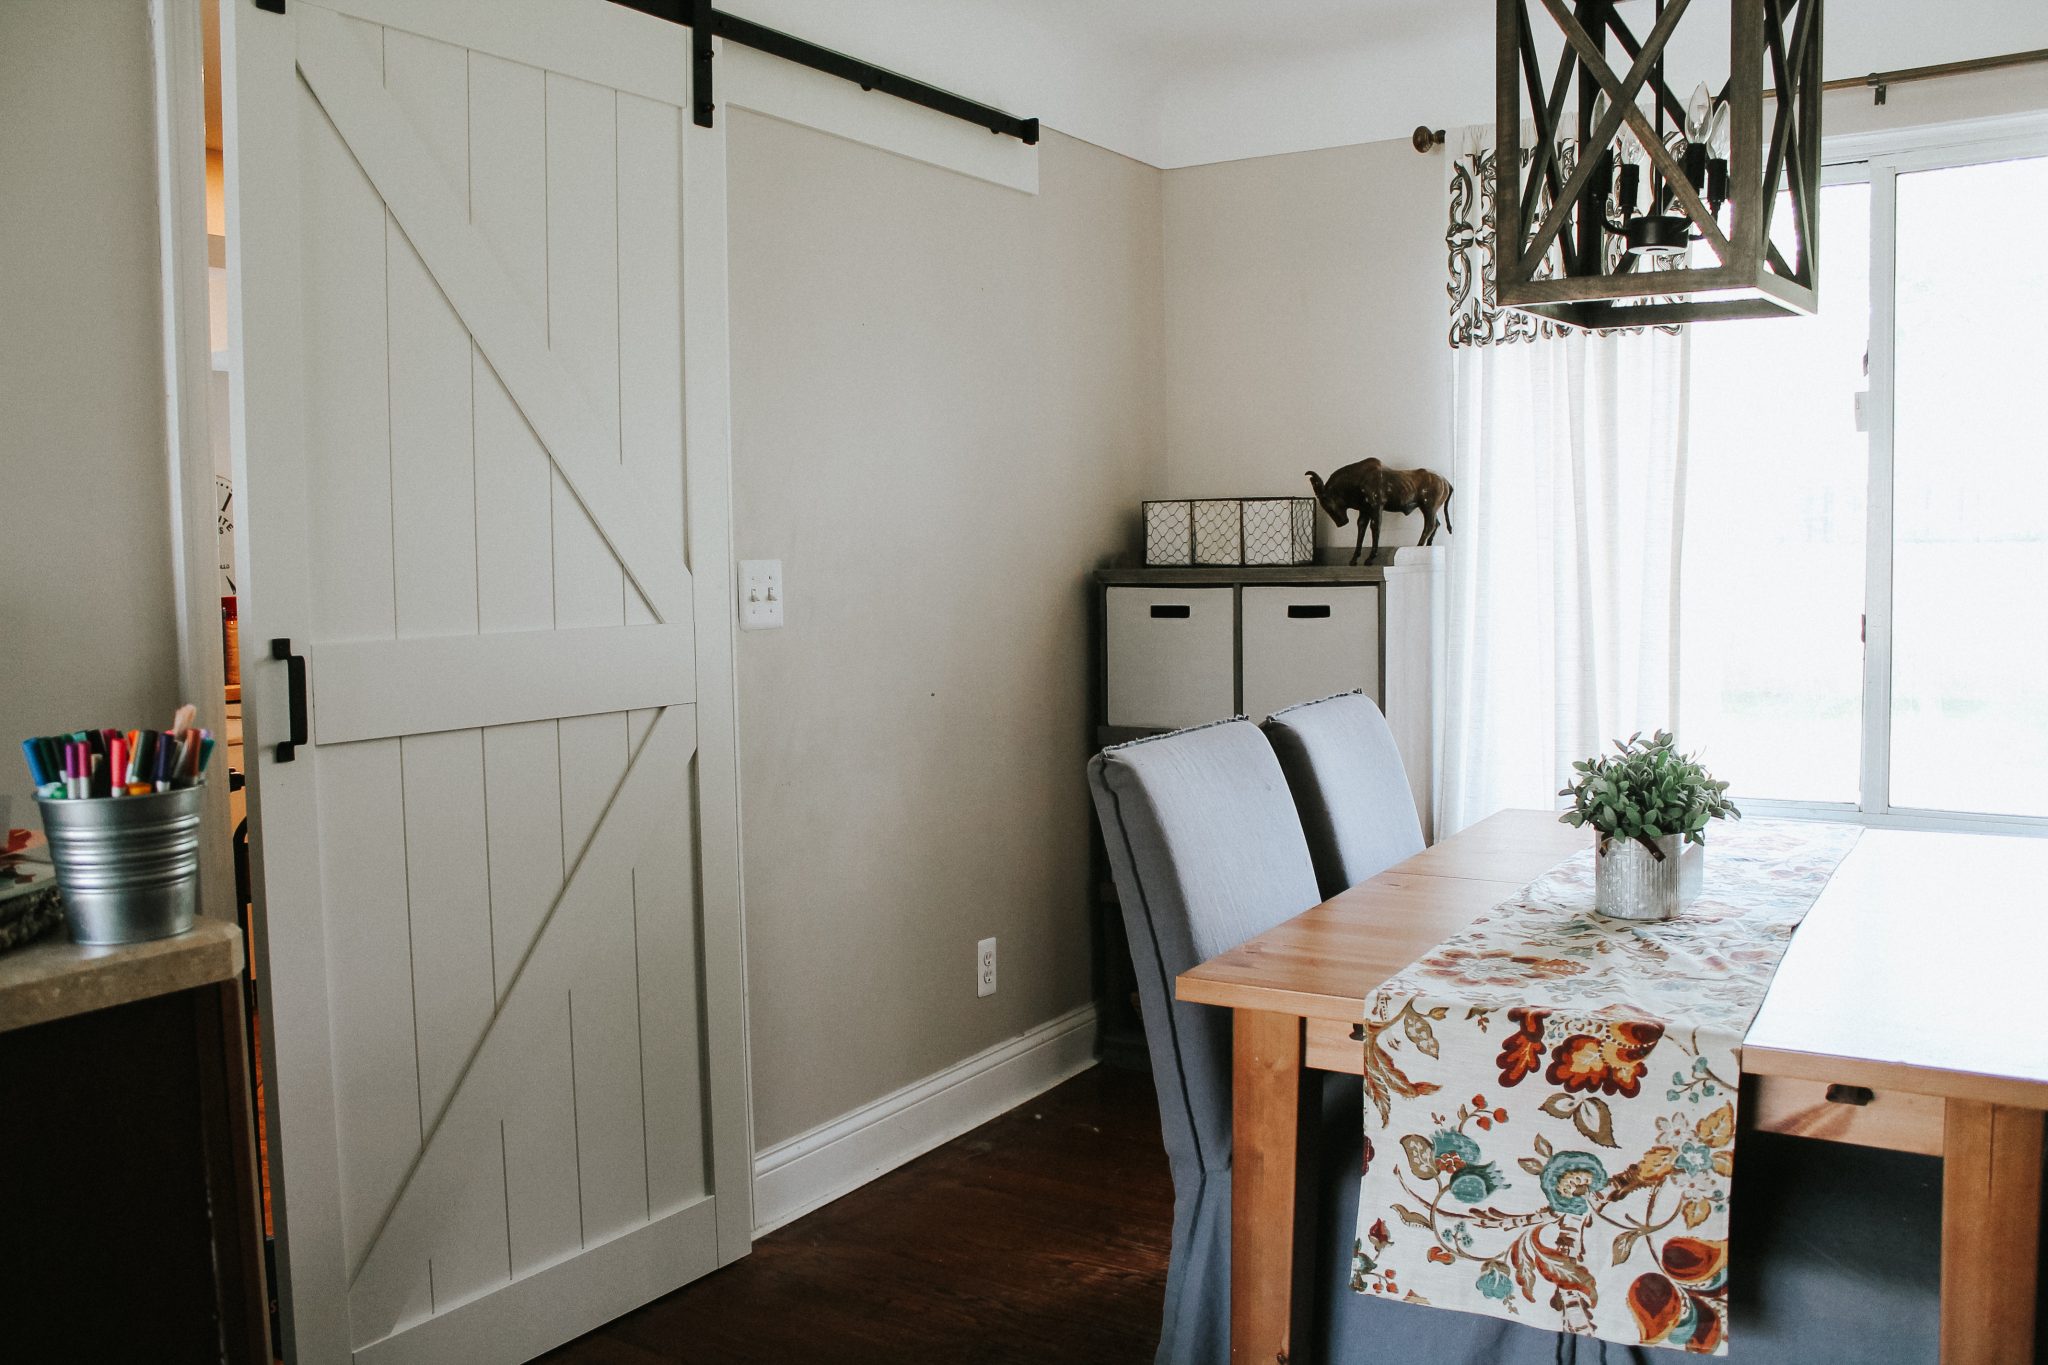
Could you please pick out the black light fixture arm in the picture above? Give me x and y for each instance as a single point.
(707, 22)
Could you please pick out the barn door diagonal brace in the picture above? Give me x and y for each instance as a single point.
(708, 23)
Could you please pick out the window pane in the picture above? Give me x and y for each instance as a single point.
(1771, 654)
(1970, 476)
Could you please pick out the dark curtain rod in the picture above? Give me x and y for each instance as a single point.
(706, 21)
(1878, 80)
(1428, 139)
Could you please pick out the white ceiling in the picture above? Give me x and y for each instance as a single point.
(1185, 82)
(1197, 30)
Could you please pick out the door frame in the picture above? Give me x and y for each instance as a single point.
(314, 1304)
(179, 108)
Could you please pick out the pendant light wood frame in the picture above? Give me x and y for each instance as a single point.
(1545, 213)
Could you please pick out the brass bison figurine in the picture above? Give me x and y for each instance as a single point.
(1370, 488)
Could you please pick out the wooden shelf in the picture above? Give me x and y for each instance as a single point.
(1403, 557)
(55, 978)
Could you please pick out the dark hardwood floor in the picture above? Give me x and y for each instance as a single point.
(1038, 1237)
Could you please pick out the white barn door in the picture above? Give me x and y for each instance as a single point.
(477, 264)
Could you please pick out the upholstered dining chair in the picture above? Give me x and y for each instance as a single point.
(1349, 787)
(1838, 1245)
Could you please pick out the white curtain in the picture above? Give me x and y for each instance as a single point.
(1569, 455)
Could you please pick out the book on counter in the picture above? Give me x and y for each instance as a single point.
(29, 904)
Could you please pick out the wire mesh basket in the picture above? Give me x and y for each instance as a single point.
(1219, 531)
(1229, 531)
(1169, 534)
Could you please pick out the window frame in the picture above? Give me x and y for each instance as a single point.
(1879, 158)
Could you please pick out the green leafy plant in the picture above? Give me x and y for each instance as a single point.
(1645, 791)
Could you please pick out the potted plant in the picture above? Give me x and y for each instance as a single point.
(1650, 805)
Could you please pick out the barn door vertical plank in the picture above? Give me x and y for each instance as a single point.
(650, 316)
(348, 425)
(583, 310)
(514, 478)
(651, 437)
(347, 327)
(433, 490)
(665, 933)
(516, 591)
(447, 874)
(433, 468)
(707, 411)
(604, 1018)
(376, 1082)
(583, 324)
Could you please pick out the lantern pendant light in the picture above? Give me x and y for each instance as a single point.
(1636, 209)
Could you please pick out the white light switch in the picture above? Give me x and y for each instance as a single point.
(760, 594)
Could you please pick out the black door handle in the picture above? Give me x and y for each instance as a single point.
(295, 664)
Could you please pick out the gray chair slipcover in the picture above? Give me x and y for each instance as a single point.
(1349, 786)
(1838, 1248)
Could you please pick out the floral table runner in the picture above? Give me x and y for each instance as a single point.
(1551, 1098)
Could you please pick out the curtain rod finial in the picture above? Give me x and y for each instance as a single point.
(1426, 139)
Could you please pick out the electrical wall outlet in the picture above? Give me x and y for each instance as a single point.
(760, 584)
(985, 967)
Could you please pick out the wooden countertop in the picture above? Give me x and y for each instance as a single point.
(55, 978)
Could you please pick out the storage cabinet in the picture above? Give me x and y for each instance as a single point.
(1181, 647)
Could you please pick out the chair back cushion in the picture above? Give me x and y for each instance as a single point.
(1349, 785)
(1207, 852)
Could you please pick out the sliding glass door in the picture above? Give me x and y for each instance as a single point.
(1866, 538)
(1969, 704)
(1771, 677)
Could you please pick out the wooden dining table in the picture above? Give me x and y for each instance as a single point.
(1904, 1016)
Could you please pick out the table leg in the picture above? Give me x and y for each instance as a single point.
(1266, 1099)
(1990, 1233)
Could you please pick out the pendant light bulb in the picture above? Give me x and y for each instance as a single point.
(1698, 110)
(1717, 132)
(1628, 149)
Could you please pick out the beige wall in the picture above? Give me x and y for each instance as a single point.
(946, 408)
(1305, 321)
(1989, 94)
(85, 584)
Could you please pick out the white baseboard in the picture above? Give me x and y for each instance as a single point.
(794, 1177)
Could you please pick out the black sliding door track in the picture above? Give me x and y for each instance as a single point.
(707, 22)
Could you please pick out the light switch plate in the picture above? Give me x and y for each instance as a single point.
(760, 583)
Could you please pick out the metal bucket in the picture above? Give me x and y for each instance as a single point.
(1629, 882)
(128, 866)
